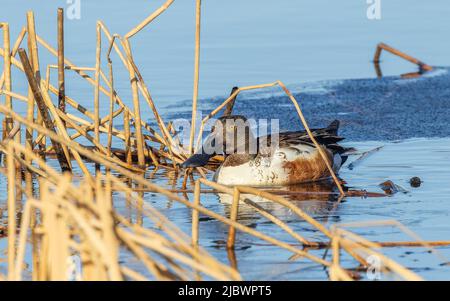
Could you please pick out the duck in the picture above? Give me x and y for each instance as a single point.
(286, 158)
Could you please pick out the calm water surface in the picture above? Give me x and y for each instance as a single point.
(424, 210)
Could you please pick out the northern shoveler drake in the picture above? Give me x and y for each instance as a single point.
(291, 159)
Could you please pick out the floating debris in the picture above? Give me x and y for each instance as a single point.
(391, 188)
(415, 182)
(382, 46)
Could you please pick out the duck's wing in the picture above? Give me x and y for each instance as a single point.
(325, 136)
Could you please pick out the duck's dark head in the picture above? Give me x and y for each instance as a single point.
(229, 135)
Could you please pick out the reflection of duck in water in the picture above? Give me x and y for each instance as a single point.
(317, 198)
(292, 159)
(323, 191)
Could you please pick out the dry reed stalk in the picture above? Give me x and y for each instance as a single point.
(337, 273)
(195, 215)
(391, 264)
(279, 223)
(63, 132)
(230, 99)
(149, 19)
(111, 107)
(91, 81)
(259, 209)
(177, 235)
(211, 268)
(126, 124)
(97, 84)
(166, 139)
(11, 170)
(16, 46)
(104, 160)
(100, 147)
(25, 222)
(389, 244)
(220, 218)
(233, 216)
(88, 127)
(311, 136)
(124, 60)
(7, 73)
(62, 154)
(174, 233)
(196, 73)
(397, 224)
(61, 68)
(32, 49)
(351, 249)
(15, 95)
(87, 78)
(137, 109)
(357, 244)
(287, 204)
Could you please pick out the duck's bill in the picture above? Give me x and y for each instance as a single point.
(202, 157)
(196, 160)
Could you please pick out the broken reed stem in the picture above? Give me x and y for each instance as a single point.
(196, 72)
(62, 157)
(149, 19)
(382, 46)
(61, 69)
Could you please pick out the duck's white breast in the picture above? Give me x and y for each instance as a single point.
(283, 168)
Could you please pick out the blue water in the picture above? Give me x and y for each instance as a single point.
(248, 42)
